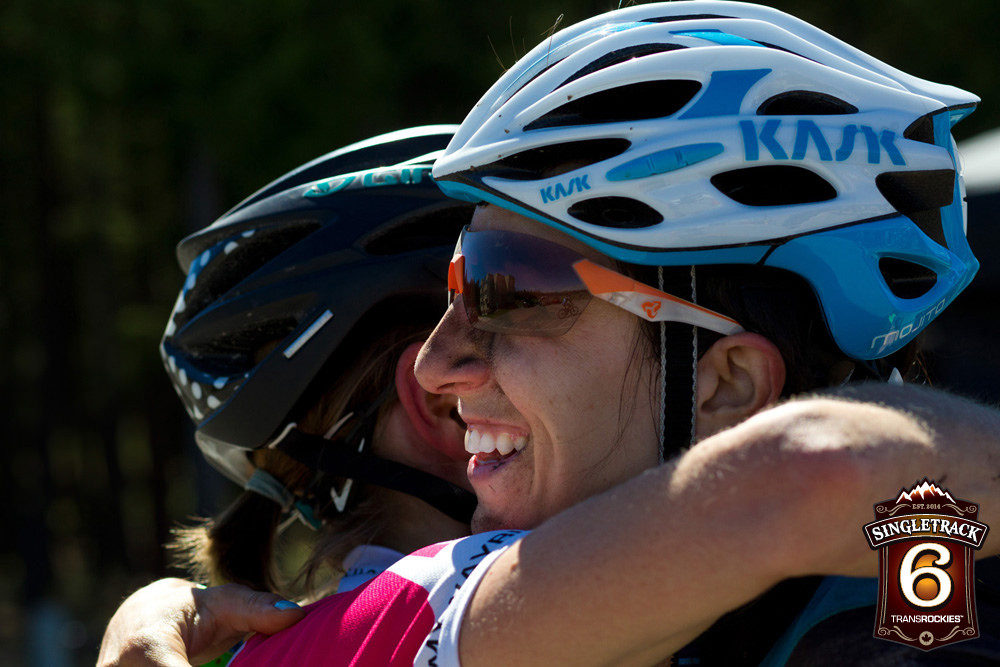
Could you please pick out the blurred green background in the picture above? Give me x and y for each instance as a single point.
(128, 124)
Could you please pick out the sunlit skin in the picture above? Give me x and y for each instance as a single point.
(561, 394)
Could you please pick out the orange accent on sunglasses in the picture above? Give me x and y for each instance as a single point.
(600, 280)
(455, 269)
(612, 286)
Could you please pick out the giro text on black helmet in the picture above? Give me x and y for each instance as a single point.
(301, 262)
(692, 133)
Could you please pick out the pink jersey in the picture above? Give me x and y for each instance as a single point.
(414, 607)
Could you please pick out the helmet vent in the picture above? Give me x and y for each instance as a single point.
(634, 102)
(919, 195)
(684, 17)
(805, 103)
(906, 280)
(240, 257)
(922, 129)
(781, 48)
(535, 76)
(621, 56)
(773, 185)
(617, 212)
(237, 350)
(549, 161)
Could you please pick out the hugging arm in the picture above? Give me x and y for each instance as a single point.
(656, 560)
(174, 623)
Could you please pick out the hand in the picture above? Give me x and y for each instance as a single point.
(172, 622)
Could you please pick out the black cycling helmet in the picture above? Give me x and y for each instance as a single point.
(301, 262)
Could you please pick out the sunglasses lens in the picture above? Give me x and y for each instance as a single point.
(519, 284)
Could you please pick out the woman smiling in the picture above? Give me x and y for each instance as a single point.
(688, 211)
(676, 229)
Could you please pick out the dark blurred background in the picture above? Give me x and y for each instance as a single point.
(127, 124)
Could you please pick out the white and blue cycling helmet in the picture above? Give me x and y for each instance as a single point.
(703, 132)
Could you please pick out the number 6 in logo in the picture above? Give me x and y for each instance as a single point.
(913, 575)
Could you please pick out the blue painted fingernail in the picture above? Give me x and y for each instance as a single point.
(286, 604)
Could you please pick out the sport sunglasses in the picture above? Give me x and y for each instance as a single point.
(514, 283)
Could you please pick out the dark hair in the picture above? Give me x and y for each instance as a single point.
(779, 305)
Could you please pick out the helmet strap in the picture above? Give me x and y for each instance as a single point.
(265, 484)
(348, 457)
(879, 373)
(677, 374)
(663, 370)
(360, 435)
(340, 498)
(694, 361)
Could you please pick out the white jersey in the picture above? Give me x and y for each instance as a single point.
(365, 562)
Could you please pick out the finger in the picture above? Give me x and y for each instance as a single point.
(243, 610)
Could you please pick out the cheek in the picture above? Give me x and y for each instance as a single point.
(625, 394)
(572, 384)
(533, 373)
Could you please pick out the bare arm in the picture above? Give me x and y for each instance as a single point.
(784, 494)
(174, 623)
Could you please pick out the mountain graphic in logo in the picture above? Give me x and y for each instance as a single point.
(924, 491)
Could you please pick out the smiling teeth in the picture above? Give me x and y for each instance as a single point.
(505, 444)
(477, 442)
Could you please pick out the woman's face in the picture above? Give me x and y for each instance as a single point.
(578, 408)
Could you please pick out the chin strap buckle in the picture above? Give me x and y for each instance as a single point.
(265, 484)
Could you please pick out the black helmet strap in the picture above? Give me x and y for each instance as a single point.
(336, 459)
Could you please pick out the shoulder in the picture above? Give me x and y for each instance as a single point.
(454, 560)
(469, 560)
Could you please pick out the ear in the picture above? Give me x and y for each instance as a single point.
(737, 377)
(429, 414)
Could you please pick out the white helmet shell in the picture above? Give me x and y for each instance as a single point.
(725, 132)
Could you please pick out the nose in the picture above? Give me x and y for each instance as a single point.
(453, 359)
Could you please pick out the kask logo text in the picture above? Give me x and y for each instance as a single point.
(551, 193)
(808, 136)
